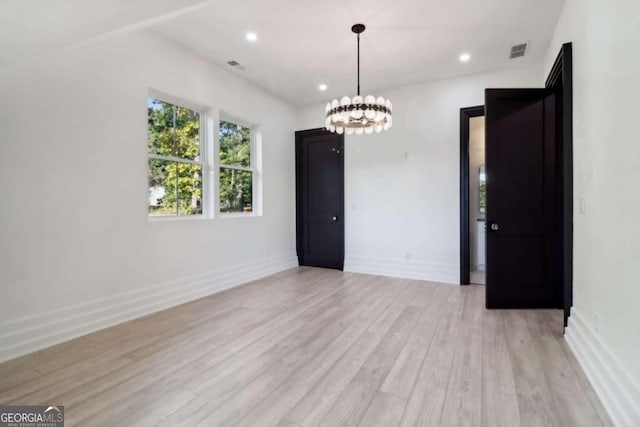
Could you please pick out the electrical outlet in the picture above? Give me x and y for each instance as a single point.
(596, 322)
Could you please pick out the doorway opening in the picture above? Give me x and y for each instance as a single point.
(477, 200)
(528, 259)
(472, 196)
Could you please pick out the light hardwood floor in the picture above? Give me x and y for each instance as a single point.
(315, 347)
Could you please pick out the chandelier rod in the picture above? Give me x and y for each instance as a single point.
(358, 64)
(358, 28)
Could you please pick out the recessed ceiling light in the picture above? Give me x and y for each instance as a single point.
(252, 36)
(322, 87)
(465, 57)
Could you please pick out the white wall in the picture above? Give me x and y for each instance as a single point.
(604, 328)
(402, 186)
(75, 239)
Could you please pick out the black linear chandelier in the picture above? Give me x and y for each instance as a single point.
(358, 115)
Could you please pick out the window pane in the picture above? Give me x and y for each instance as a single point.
(235, 145)
(235, 190)
(160, 127)
(162, 196)
(187, 134)
(189, 189)
(173, 130)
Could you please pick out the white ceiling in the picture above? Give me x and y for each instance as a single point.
(29, 28)
(302, 43)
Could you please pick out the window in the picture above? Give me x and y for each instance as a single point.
(183, 172)
(176, 159)
(237, 168)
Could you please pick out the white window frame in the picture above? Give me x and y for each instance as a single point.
(205, 155)
(255, 166)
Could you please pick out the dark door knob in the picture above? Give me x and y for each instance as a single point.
(334, 218)
(494, 227)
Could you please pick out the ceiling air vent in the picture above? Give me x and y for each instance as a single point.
(236, 65)
(518, 50)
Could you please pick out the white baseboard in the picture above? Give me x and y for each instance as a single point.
(26, 335)
(616, 388)
(406, 269)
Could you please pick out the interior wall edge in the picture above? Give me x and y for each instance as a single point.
(27, 335)
(404, 269)
(618, 392)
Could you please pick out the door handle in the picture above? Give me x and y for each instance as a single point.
(494, 227)
(334, 218)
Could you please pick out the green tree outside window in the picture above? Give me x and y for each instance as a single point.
(175, 164)
(236, 174)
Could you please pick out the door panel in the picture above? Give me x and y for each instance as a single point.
(521, 202)
(320, 198)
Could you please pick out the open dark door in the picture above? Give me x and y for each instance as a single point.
(522, 227)
(560, 80)
(320, 198)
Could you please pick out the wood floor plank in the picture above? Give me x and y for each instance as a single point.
(269, 302)
(128, 403)
(426, 402)
(309, 347)
(136, 331)
(499, 398)
(164, 405)
(287, 423)
(534, 396)
(274, 294)
(463, 403)
(236, 406)
(241, 369)
(47, 387)
(385, 410)
(580, 376)
(354, 400)
(404, 373)
(293, 389)
(321, 397)
(138, 375)
(13, 381)
(50, 385)
(162, 359)
(571, 402)
(106, 347)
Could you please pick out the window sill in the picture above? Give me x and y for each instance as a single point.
(232, 215)
(177, 218)
(239, 215)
